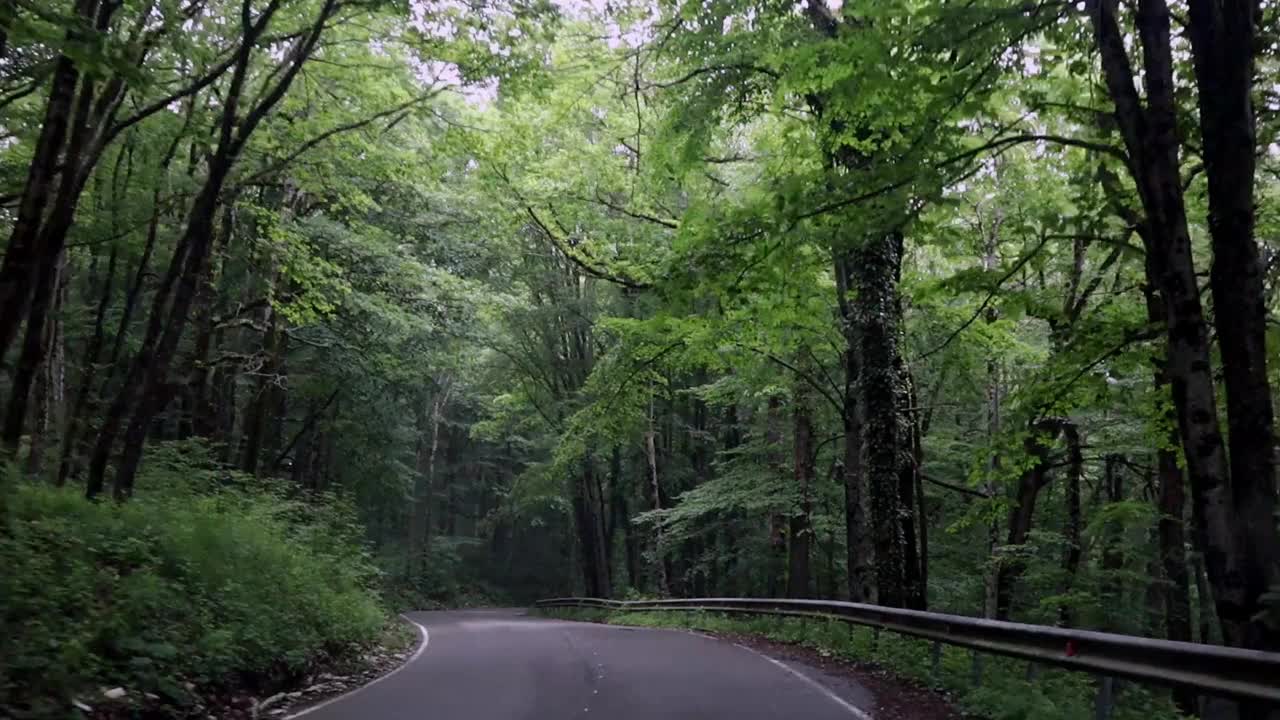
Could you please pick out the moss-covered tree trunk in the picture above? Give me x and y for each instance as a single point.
(877, 309)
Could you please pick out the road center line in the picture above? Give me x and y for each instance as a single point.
(422, 646)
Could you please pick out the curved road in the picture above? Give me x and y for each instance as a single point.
(503, 665)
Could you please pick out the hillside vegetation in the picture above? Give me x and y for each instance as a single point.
(312, 311)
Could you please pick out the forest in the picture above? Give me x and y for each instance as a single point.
(313, 310)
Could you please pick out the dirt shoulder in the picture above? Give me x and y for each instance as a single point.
(895, 698)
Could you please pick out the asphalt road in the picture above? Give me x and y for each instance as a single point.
(502, 665)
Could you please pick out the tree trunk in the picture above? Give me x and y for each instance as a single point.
(1112, 587)
(1030, 483)
(663, 566)
(1071, 531)
(595, 567)
(994, 417)
(49, 412)
(41, 257)
(728, 542)
(1172, 505)
(608, 500)
(1204, 598)
(1223, 42)
(776, 559)
(424, 481)
(1150, 136)
(1173, 560)
(800, 528)
(19, 267)
(86, 399)
(146, 389)
(859, 546)
(135, 287)
(44, 270)
(875, 282)
(203, 414)
(914, 533)
(260, 408)
(618, 508)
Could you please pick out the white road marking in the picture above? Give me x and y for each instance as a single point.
(854, 711)
(426, 639)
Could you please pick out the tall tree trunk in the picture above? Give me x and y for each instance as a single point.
(1112, 590)
(1173, 559)
(85, 402)
(1071, 530)
(41, 259)
(1030, 483)
(1172, 505)
(258, 417)
(663, 564)
(595, 567)
(1150, 136)
(147, 389)
(449, 521)
(139, 276)
(776, 560)
(18, 267)
(914, 533)
(994, 416)
(875, 282)
(204, 417)
(730, 521)
(800, 527)
(1223, 42)
(859, 545)
(609, 498)
(45, 267)
(621, 520)
(428, 425)
(49, 411)
(1204, 606)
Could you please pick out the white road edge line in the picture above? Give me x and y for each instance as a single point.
(854, 711)
(422, 646)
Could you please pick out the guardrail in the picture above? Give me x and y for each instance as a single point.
(1215, 670)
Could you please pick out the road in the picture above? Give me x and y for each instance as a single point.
(504, 665)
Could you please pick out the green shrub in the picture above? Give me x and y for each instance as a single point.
(204, 578)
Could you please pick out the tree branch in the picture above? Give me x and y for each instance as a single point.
(987, 301)
(569, 252)
(956, 488)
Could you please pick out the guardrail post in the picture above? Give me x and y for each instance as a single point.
(935, 663)
(1105, 701)
(977, 668)
(1216, 708)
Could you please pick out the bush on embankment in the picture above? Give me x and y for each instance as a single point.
(204, 581)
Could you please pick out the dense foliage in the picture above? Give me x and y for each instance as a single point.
(966, 306)
(198, 584)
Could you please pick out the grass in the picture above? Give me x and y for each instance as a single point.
(1008, 690)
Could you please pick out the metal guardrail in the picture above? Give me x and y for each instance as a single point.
(1215, 670)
